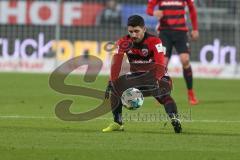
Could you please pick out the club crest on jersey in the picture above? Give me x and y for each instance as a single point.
(144, 52)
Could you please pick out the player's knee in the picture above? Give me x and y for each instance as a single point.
(185, 60)
(168, 80)
(185, 63)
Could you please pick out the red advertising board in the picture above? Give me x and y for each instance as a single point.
(49, 13)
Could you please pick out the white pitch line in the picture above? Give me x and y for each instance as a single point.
(102, 118)
(25, 117)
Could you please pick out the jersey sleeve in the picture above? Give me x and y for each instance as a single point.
(116, 62)
(193, 14)
(150, 6)
(159, 52)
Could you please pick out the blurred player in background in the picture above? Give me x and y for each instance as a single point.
(173, 33)
(110, 15)
(145, 54)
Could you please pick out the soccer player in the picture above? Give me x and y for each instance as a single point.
(145, 54)
(173, 33)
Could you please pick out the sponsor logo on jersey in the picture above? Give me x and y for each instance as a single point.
(172, 3)
(142, 61)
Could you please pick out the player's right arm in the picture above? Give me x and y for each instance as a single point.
(115, 69)
(116, 62)
(116, 66)
(150, 9)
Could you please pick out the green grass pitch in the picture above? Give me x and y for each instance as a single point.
(29, 129)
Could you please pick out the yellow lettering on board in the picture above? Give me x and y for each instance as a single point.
(64, 49)
(85, 47)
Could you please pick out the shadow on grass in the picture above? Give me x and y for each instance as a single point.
(50, 129)
(189, 133)
(186, 132)
(220, 101)
(97, 130)
(212, 134)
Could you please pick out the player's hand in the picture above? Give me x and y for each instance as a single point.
(108, 90)
(194, 35)
(158, 14)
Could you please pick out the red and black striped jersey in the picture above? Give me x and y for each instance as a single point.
(174, 13)
(143, 56)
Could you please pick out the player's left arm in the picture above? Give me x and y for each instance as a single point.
(194, 19)
(159, 51)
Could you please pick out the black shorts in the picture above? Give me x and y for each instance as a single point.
(145, 82)
(177, 39)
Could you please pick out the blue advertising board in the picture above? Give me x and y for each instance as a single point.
(130, 9)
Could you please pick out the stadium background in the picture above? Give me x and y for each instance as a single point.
(30, 30)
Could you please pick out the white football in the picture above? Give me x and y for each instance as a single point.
(132, 98)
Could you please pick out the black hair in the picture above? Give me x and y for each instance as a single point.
(135, 20)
